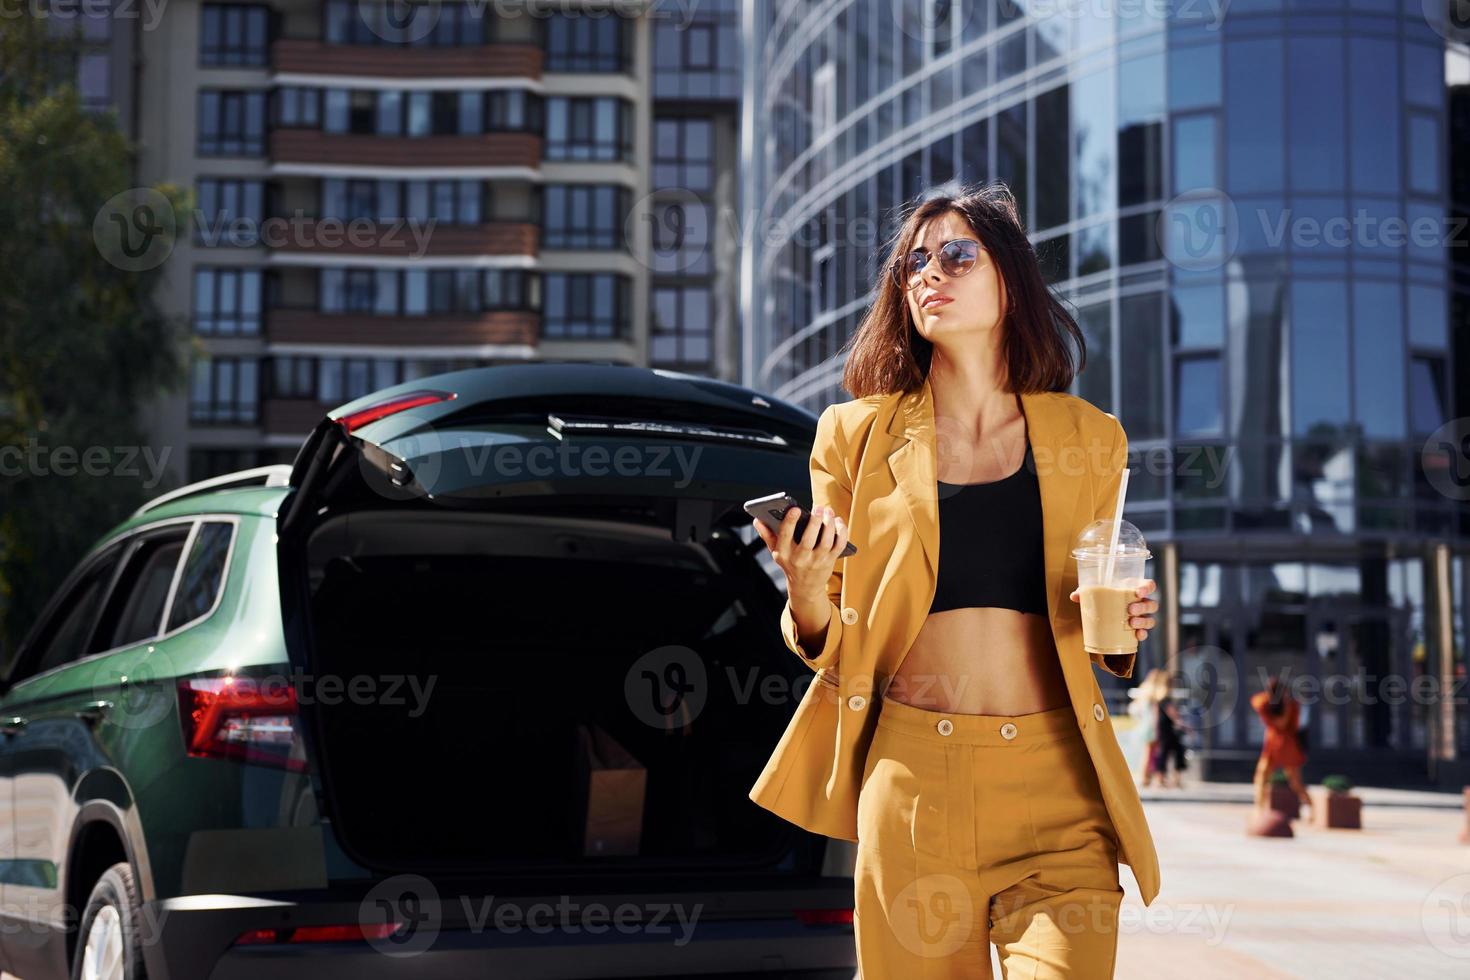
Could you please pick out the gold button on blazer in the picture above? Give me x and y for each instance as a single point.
(874, 462)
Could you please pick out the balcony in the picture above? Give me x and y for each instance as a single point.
(313, 147)
(292, 415)
(410, 240)
(503, 60)
(491, 328)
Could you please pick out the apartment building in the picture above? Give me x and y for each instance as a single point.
(387, 191)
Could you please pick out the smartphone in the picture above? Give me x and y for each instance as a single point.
(772, 509)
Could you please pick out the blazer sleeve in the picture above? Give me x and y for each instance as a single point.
(831, 487)
(1117, 664)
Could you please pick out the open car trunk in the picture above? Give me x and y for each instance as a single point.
(521, 628)
(598, 678)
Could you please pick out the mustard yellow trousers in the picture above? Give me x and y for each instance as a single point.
(980, 829)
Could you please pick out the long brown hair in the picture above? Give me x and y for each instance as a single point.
(888, 354)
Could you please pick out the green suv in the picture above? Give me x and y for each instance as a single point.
(477, 686)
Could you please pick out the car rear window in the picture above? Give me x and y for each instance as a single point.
(135, 610)
(204, 573)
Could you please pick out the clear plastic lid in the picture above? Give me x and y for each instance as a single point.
(1092, 541)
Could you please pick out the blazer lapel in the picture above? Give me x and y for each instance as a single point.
(1060, 473)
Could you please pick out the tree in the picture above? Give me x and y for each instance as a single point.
(83, 347)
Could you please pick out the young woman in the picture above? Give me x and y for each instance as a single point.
(958, 733)
(1280, 749)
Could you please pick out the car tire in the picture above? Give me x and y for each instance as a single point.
(109, 945)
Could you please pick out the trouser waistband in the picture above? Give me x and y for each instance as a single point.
(1001, 730)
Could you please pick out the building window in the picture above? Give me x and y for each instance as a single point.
(698, 56)
(683, 154)
(234, 34)
(586, 306)
(589, 129)
(1428, 399)
(94, 82)
(680, 240)
(1197, 395)
(227, 301)
(681, 326)
(229, 212)
(422, 24)
(576, 41)
(395, 112)
(292, 377)
(514, 111)
(224, 391)
(231, 123)
(425, 292)
(298, 108)
(584, 216)
(343, 379)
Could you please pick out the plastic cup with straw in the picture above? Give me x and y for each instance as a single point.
(1117, 526)
(1109, 553)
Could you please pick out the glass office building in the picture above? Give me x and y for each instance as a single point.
(1252, 218)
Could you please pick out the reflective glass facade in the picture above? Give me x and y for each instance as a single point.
(1253, 220)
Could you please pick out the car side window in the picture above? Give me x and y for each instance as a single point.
(203, 575)
(65, 634)
(134, 612)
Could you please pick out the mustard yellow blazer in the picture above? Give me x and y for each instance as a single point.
(874, 462)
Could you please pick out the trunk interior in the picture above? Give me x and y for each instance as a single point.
(530, 623)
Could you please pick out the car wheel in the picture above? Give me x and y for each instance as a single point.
(108, 945)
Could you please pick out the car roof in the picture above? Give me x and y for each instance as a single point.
(256, 501)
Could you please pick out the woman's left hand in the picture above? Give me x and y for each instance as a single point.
(1140, 622)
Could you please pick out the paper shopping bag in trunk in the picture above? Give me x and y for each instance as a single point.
(610, 786)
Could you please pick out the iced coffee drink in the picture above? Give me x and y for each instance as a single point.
(1109, 572)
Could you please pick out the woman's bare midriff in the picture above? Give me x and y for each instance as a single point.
(982, 661)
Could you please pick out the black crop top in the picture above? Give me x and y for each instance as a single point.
(992, 552)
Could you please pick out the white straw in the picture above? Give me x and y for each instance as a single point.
(1117, 526)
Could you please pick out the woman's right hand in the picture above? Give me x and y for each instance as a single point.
(808, 561)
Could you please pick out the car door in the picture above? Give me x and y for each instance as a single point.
(60, 635)
(55, 720)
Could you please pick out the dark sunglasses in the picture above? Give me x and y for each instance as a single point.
(955, 258)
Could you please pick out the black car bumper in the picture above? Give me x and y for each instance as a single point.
(193, 938)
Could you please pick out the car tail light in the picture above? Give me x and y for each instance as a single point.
(317, 934)
(238, 718)
(391, 406)
(824, 917)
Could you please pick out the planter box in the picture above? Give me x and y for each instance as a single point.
(1337, 810)
(1281, 799)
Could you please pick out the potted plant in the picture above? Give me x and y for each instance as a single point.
(1337, 806)
(1280, 797)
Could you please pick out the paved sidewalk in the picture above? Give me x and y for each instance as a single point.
(1239, 792)
(1390, 900)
